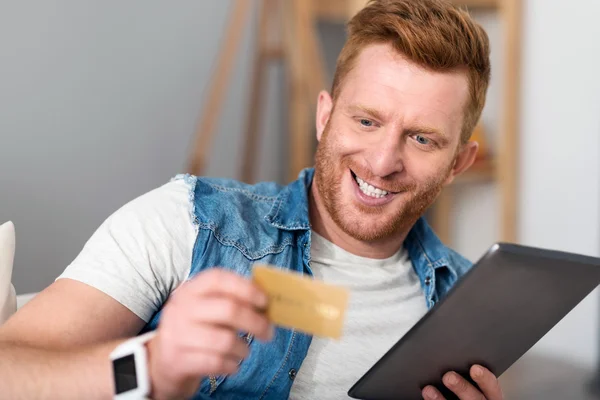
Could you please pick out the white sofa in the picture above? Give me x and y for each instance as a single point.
(8, 298)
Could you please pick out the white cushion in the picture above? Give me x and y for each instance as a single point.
(8, 298)
(25, 298)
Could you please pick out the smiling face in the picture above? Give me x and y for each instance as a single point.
(388, 144)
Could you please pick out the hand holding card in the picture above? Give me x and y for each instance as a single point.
(299, 302)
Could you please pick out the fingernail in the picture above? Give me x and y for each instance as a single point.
(452, 379)
(477, 371)
(430, 394)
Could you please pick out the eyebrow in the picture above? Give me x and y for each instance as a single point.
(357, 108)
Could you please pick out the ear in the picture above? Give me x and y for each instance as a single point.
(324, 107)
(464, 159)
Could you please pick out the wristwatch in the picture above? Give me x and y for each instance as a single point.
(130, 368)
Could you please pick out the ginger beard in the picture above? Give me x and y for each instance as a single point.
(366, 223)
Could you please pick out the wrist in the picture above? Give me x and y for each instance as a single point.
(129, 362)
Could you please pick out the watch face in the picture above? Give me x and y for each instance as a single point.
(124, 371)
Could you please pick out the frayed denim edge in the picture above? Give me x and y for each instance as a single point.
(190, 181)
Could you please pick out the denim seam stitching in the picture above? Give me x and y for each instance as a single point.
(253, 196)
(301, 226)
(270, 217)
(420, 243)
(441, 262)
(250, 255)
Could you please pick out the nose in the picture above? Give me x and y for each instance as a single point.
(386, 156)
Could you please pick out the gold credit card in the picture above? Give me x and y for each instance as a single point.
(299, 302)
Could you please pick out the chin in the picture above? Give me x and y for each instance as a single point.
(367, 226)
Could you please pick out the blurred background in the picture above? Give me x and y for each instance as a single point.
(102, 101)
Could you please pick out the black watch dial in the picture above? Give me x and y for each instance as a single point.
(124, 372)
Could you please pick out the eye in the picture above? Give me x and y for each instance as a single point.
(422, 140)
(366, 122)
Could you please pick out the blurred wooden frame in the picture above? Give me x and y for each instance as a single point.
(503, 168)
(287, 34)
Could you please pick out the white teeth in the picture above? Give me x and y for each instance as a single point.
(370, 190)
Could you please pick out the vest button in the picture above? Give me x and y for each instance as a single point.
(428, 280)
(292, 374)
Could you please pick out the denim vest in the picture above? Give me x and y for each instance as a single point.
(239, 225)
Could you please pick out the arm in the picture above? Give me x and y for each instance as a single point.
(46, 356)
(58, 345)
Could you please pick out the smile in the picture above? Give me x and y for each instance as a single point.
(368, 189)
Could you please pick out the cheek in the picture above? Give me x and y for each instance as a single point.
(345, 138)
(426, 168)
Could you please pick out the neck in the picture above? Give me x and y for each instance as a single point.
(322, 223)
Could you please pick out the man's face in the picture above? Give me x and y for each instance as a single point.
(389, 144)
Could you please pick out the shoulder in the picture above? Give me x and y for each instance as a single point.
(153, 214)
(142, 252)
(172, 196)
(214, 197)
(158, 215)
(231, 188)
(235, 213)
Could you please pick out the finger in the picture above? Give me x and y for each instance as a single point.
(461, 387)
(206, 339)
(196, 364)
(230, 284)
(230, 313)
(216, 339)
(487, 382)
(431, 393)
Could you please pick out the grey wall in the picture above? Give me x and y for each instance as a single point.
(98, 104)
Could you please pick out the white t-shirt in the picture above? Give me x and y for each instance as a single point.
(386, 300)
(142, 252)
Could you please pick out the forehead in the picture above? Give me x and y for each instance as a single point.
(383, 79)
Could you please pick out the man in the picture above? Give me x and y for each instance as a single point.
(409, 88)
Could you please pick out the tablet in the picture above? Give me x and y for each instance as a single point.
(499, 309)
